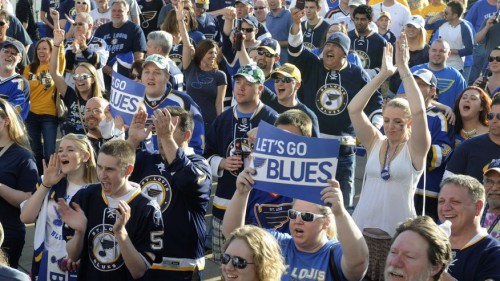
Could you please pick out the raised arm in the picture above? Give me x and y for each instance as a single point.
(59, 82)
(420, 139)
(236, 212)
(366, 132)
(354, 261)
(187, 49)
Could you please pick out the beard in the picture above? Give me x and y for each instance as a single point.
(422, 276)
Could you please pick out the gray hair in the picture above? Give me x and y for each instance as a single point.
(86, 17)
(162, 39)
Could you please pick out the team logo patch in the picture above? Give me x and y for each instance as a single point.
(331, 99)
(176, 58)
(104, 250)
(365, 59)
(158, 188)
(114, 41)
(309, 45)
(240, 146)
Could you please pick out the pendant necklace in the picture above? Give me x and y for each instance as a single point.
(385, 173)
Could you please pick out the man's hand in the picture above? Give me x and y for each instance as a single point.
(73, 217)
(137, 131)
(232, 163)
(58, 37)
(122, 217)
(164, 123)
(297, 15)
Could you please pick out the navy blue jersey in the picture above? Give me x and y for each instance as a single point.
(440, 150)
(16, 90)
(327, 93)
(209, 26)
(129, 37)
(76, 112)
(314, 34)
(17, 171)
(225, 136)
(96, 53)
(370, 49)
(181, 99)
(274, 104)
(101, 257)
(477, 261)
(389, 37)
(182, 189)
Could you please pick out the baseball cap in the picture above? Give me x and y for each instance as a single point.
(271, 45)
(417, 21)
(384, 14)
(493, 166)
(201, 4)
(288, 70)
(16, 44)
(427, 76)
(357, 2)
(246, 2)
(341, 40)
(252, 73)
(159, 60)
(251, 20)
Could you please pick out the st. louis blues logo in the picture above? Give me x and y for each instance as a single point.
(331, 99)
(104, 251)
(157, 188)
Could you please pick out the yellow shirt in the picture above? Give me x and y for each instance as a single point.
(42, 87)
(416, 6)
(374, 2)
(429, 12)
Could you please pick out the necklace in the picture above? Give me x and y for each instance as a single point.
(385, 173)
(469, 134)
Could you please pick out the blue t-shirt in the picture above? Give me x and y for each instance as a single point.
(279, 27)
(479, 12)
(308, 266)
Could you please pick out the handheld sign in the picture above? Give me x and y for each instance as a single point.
(292, 165)
(126, 96)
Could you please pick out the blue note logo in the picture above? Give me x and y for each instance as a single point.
(331, 99)
(157, 188)
(104, 251)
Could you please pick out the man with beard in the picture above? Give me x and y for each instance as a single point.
(367, 43)
(14, 88)
(420, 251)
(491, 216)
(329, 84)
(94, 114)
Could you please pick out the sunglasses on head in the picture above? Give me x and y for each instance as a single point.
(492, 115)
(283, 79)
(134, 76)
(264, 53)
(305, 216)
(237, 262)
(81, 77)
(247, 30)
(497, 58)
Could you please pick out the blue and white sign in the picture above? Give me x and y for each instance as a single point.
(293, 165)
(126, 97)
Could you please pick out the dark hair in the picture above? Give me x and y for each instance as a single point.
(36, 62)
(456, 7)
(186, 122)
(171, 25)
(137, 65)
(317, 2)
(203, 47)
(496, 100)
(363, 9)
(485, 103)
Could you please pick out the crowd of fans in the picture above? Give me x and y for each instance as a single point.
(413, 84)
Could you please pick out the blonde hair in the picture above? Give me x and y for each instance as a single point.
(82, 143)
(266, 251)
(421, 38)
(401, 104)
(16, 129)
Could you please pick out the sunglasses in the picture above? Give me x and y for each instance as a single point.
(247, 30)
(259, 8)
(237, 262)
(264, 53)
(93, 110)
(491, 59)
(134, 76)
(283, 79)
(2, 23)
(305, 216)
(81, 77)
(82, 3)
(78, 23)
(492, 115)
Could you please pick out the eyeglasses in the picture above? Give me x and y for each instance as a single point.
(491, 59)
(247, 30)
(491, 115)
(305, 216)
(93, 110)
(79, 23)
(283, 79)
(259, 8)
(134, 76)
(81, 77)
(237, 262)
(490, 182)
(2, 23)
(264, 53)
(82, 3)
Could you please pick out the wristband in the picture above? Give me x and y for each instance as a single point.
(57, 45)
(47, 187)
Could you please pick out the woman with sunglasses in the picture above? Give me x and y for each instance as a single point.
(86, 87)
(42, 119)
(491, 84)
(311, 246)
(18, 176)
(395, 161)
(471, 108)
(69, 170)
(205, 83)
(69, 23)
(251, 253)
